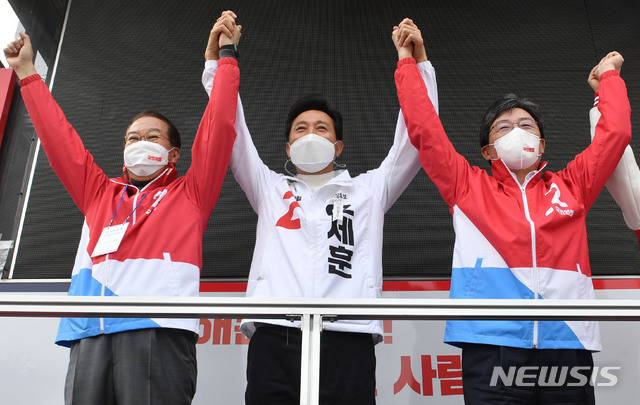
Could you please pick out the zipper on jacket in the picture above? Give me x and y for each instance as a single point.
(534, 263)
(135, 204)
(106, 259)
(102, 289)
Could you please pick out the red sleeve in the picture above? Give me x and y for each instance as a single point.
(591, 169)
(71, 162)
(447, 169)
(211, 151)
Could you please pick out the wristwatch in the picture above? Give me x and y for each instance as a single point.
(229, 51)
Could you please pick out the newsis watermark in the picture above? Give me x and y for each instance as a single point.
(554, 376)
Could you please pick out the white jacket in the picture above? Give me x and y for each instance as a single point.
(624, 183)
(327, 243)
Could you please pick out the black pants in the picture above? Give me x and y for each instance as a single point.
(140, 367)
(482, 364)
(347, 367)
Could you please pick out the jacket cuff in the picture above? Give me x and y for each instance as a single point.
(227, 61)
(29, 79)
(608, 73)
(406, 61)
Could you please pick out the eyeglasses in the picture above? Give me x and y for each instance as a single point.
(503, 127)
(151, 136)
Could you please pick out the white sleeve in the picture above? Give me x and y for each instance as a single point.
(624, 183)
(398, 169)
(248, 169)
(210, 68)
(428, 74)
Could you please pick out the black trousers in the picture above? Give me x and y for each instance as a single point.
(140, 367)
(528, 376)
(347, 367)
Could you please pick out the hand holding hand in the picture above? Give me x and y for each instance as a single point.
(19, 55)
(593, 80)
(234, 38)
(408, 40)
(613, 60)
(224, 30)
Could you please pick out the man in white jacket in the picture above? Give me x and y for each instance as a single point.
(319, 234)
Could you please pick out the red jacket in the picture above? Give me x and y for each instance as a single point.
(516, 241)
(161, 252)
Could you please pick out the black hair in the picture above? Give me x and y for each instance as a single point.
(172, 131)
(506, 103)
(314, 102)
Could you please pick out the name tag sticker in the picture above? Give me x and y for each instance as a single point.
(110, 239)
(337, 210)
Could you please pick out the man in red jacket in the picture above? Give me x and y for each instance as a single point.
(142, 236)
(520, 233)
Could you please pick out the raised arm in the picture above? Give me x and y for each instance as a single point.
(247, 167)
(213, 144)
(592, 168)
(624, 183)
(401, 163)
(441, 162)
(411, 44)
(74, 165)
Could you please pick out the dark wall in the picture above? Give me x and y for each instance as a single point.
(121, 57)
(43, 21)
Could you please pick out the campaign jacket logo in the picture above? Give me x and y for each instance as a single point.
(557, 203)
(287, 221)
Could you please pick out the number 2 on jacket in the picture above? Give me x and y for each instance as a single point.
(287, 221)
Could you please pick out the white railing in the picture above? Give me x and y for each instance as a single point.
(312, 312)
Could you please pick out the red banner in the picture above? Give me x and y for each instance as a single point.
(7, 84)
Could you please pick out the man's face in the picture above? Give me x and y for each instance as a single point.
(504, 124)
(154, 130)
(149, 129)
(314, 122)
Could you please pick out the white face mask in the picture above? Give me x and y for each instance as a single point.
(144, 158)
(518, 149)
(312, 153)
